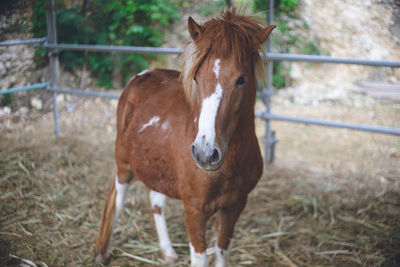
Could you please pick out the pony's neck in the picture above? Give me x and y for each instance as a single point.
(246, 121)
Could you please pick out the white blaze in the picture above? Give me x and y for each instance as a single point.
(216, 67)
(206, 131)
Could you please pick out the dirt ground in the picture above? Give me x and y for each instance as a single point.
(332, 197)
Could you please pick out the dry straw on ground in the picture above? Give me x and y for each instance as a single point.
(332, 198)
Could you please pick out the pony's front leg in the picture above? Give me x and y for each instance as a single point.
(112, 208)
(196, 226)
(225, 224)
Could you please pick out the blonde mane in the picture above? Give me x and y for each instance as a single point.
(235, 34)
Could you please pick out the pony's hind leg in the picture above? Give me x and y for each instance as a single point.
(157, 204)
(112, 208)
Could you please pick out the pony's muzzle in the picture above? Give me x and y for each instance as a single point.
(209, 159)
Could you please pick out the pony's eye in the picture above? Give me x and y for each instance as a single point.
(241, 80)
(195, 79)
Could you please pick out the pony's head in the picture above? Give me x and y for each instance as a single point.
(222, 68)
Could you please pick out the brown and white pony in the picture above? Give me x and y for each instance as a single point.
(191, 135)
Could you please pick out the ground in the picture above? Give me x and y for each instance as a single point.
(331, 198)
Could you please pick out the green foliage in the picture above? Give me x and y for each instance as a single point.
(278, 78)
(288, 5)
(114, 22)
(16, 28)
(282, 37)
(7, 100)
(280, 6)
(283, 26)
(260, 5)
(213, 7)
(39, 18)
(311, 48)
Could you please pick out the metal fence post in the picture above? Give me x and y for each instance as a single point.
(53, 57)
(269, 140)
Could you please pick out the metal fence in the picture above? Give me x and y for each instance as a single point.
(50, 42)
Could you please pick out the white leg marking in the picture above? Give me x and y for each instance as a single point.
(222, 257)
(197, 259)
(119, 203)
(119, 199)
(152, 122)
(158, 203)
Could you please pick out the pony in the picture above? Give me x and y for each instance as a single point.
(191, 135)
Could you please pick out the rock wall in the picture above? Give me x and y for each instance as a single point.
(16, 62)
(366, 29)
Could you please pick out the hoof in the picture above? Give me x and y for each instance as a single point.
(170, 259)
(101, 260)
(170, 256)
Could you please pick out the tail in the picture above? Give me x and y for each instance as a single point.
(107, 220)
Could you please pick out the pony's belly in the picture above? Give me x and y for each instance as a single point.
(152, 164)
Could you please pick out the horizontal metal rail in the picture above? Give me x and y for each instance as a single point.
(24, 88)
(328, 59)
(271, 56)
(84, 92)
(115, 48)
(22, 42)
(337, 124)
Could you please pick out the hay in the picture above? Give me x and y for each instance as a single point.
(308, 210)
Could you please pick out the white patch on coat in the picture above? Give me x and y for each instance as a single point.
(131, 79)
(216, 67)
(165, 125)
(139, 74)
(143, 72)
(206, 135)
(158, 199)
(152, 122)
(197, 259)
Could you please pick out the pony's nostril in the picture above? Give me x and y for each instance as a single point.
(192, 149)
(216, 157)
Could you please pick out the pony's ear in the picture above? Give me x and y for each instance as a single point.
(264, 34)
(194, 29)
